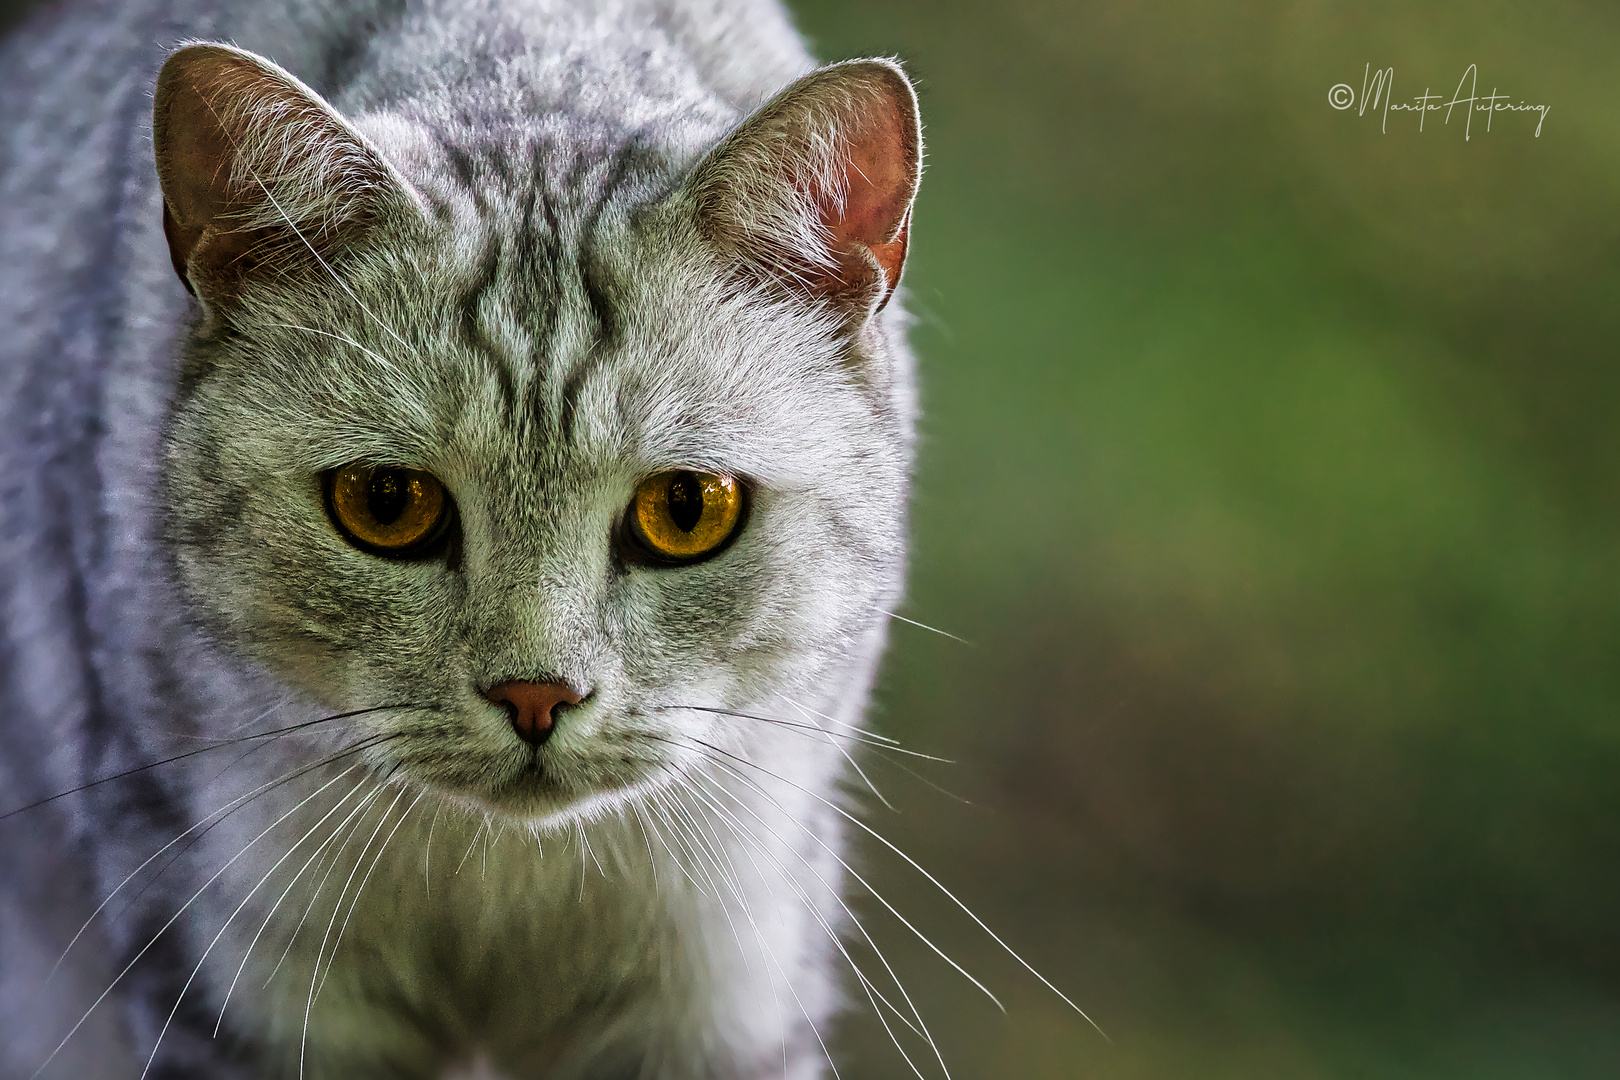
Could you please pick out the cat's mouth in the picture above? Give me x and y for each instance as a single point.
(538, 785)
(599, 757)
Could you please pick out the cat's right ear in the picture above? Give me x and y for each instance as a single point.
(260, 176)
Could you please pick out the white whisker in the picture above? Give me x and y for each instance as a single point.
(352, 823)
(848, 757)
(277, 707)
(734, 884)
(920, 1028)
(427, 853)
(183, 908)
(343, 338)
(655, 810)
(925, 626)
(332, 273)
(765, 948)
(309, 1004)
(232, 918)
(375, 859)
(739, 827)
(652, 863)
(770, 953)
(725, 910)
(586, 840)
(872, 993)
(324, 848)
(476, 834)
(221, 813)
(666, 815)
(846, 815)
(860, 738)
(855, 730)
(853, 872)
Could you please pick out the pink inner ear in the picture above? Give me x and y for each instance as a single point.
(844, 142)
(879, 173)
(224, 119)
(200, 128)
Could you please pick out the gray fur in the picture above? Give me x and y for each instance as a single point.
(540, 323)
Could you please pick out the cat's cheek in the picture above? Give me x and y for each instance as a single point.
(334, 638)
(814, 593)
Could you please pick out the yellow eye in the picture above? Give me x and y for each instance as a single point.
(388, 511)
(683, 515)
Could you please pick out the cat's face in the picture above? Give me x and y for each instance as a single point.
(547, 372)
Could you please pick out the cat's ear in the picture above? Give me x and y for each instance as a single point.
(814, 191)
(259, 175)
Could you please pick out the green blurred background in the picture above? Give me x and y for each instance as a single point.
(1269, 463)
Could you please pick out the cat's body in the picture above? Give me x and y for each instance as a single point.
(532, 292)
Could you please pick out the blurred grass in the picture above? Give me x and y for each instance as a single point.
(1269, 461)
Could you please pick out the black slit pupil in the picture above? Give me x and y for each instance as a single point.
(685, 501)
(387, 497)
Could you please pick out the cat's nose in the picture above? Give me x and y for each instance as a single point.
(532, 706)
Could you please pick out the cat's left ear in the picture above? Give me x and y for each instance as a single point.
(261, 177)
(814, 191)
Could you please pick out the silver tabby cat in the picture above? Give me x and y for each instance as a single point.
(453, 477)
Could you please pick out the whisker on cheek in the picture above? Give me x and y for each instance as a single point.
(717, 792)
(320, 852)
(232, 918)
(236, 741)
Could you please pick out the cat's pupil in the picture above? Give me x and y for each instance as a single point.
(387, 496)
(685, 501)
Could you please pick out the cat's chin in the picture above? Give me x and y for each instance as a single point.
(544, 799)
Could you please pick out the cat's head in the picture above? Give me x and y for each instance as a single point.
(557, 446)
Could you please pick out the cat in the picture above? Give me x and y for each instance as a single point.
(453, 482)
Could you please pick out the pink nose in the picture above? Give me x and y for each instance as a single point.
(531, 706)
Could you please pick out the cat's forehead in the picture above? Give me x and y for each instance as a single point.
(548, 313)
(643, 357)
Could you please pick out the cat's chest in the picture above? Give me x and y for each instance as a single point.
(484, 947)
